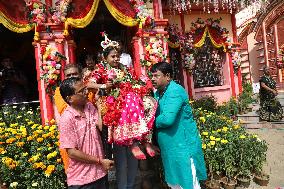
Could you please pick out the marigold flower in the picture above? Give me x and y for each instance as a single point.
(20, 144)
(25, 154)
(202, 119)
(52, 122)
(223, 141)
(29, 138)
(212, 143)
(212, 138)
(39, 139)
(14, 184)
(205, 133)
(225, 129)
(203, 146)
(50, 169)
(10, 140)
(58, 160)
(218, 139)
(236, 126)
(242, 136)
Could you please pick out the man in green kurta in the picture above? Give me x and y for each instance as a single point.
(176, 131)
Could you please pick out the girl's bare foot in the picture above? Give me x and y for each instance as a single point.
(152, 150)
(137, 152)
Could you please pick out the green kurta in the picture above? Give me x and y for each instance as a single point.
(178, 137)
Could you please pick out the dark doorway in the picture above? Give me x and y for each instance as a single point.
(88, 39)
(19, 48)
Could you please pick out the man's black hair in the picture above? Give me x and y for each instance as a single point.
(163, 67)
(67, 87)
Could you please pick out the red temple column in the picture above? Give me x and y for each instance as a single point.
(265, 43)
(136, 55)
(46, 105)
(232, 76)
(235, 40)
(156, 7)
(276, 46)
(60, 47)
(71, 52)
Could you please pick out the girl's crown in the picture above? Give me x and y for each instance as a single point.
(107, 42)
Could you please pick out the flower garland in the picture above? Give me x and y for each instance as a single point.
(280, 59)
(154, 52)
(143, 15)
(36, 12)
(236, 60)
(50, 69)
(59, 13)
(230, 5)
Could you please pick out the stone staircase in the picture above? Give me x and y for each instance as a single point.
(251, 120)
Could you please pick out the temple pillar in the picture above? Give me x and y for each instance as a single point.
(265, 43)
(71, 51)
(276, 46)
(157, 9)
(137, 52)
(46, 106)
(235, 40)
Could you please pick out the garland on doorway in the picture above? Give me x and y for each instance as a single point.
(195, 38)
(50, 68)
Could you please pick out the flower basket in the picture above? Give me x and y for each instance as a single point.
(243, 181)
(261, 179)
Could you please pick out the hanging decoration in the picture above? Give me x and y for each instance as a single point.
(236, 60)
(37, 13)
(142, 14)
(280, 59)
(62, 8)
(212, 5)
(50, 68)
(154, 51)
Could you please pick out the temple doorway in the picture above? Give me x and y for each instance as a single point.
(19, 49)
(89, 38)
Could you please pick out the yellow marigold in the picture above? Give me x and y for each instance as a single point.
(58, 160)
(10, 140)
(224, 141)
(20, 144)
(52, 122)
(2, 150)
(218, 139)
(242, 136)
(14, 124)
(57, 143)
(255, 136)
(45, 135)
(39, 127)
(205, 133)
(204, 146)
(46, 127)
(52, 128)
(39, 139)
(29, 138)
(51, 155)
(34, 158)
(212, 143)
(30, 122)
(25, 154)
(212, 138)
(202, 119)
(39, 165)
(19, 117)
(50, 169)
(236, 126)
(18, 136)
(2, 124)
(225, 129)
(34, 126)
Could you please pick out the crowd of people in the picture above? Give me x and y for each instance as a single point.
(107, 97)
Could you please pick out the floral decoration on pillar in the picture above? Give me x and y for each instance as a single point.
(143, 15)
(50, 68)
(154, 51)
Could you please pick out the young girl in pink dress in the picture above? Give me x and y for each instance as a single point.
(129, 119)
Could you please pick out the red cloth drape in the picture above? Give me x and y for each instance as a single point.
(14, 10)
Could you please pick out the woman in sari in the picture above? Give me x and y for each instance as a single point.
(270, 107)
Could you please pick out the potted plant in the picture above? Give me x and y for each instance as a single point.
(261, 179)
